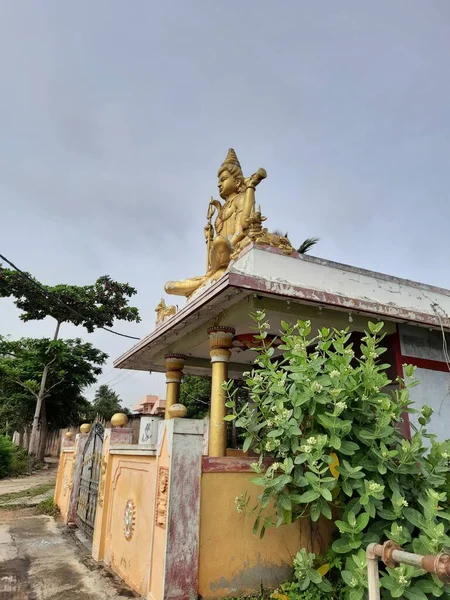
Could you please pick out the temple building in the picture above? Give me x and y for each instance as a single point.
(251, 269)
(162, 513)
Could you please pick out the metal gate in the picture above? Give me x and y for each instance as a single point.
(90, 478)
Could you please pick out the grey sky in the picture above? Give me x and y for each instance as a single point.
(116, 116)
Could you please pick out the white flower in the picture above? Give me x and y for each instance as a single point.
(334, 373)
(312, 441)
(306, 448)
(445, 455)
(375, 487)
(316, 387)
(402, 580)
(341, 405)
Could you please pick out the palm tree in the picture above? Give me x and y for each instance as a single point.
(307, 245)
(304, 247)
(106, 403)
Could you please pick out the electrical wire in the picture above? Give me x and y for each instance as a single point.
(45, 292)
(118, 378)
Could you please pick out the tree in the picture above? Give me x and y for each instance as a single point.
(75, 365)
(195, 394)
(304, 247)
(91, 306)
(307, 245)
(106, 403)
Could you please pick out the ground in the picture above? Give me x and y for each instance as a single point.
(39, 558)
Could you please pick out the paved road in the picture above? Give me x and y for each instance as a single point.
(40, 561)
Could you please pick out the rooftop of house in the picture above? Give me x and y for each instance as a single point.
(150, 405)
(288, 288)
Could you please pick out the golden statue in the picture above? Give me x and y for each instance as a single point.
(237, 224)
(163, 311)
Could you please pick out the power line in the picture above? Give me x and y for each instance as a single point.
(45, 292)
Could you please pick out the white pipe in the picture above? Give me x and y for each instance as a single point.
(372, 573)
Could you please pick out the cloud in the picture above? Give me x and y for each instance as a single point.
(116, 116)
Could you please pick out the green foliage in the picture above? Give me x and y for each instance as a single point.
(91, 306)
(47, 507)
(6, 456)
(320, 411)
(195, 394)
(306, 245)
(106, 403)
(75, 365)
(294, 591)
(19, 463)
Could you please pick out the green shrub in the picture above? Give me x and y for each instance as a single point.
(19, 463)
(48, 507)
(6, 456)
(293, 591)
(322, 413)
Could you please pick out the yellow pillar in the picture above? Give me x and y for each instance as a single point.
(220, 341)
(174, 375)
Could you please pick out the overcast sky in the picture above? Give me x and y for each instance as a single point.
(115, 116)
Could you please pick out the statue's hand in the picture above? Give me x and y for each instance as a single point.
(255, 179)
(209, 231)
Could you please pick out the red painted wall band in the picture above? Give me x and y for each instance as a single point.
(426, 363)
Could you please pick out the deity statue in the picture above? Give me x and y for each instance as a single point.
(163, 311)
(236, 219)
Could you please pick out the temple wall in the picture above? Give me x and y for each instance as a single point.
(233, 560)
(426, 350)
(127, 546)
(167, 523)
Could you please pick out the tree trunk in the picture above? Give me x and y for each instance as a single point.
(43, 433)
(21, 438)
(33, 449)
(27, 437)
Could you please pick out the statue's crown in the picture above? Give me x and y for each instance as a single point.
(231, 159)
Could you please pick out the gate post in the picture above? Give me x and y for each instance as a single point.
(113, 437)
(178, 566)
(80, 444)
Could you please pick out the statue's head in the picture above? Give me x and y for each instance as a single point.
(230, 176)
(161, 305)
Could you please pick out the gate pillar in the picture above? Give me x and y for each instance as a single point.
(113, 437)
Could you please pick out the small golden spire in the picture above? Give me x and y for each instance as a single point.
(231, 159)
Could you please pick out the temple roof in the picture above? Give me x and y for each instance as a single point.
(286, 287)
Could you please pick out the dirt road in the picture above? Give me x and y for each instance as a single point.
(40, 561)
(20, 484)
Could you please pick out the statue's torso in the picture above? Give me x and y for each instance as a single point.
(228, 222)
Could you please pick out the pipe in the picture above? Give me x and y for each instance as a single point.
(372, 572)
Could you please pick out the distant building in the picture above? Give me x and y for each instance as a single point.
(150, 405)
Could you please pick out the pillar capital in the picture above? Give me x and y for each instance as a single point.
(174, 361)
(221, 336)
